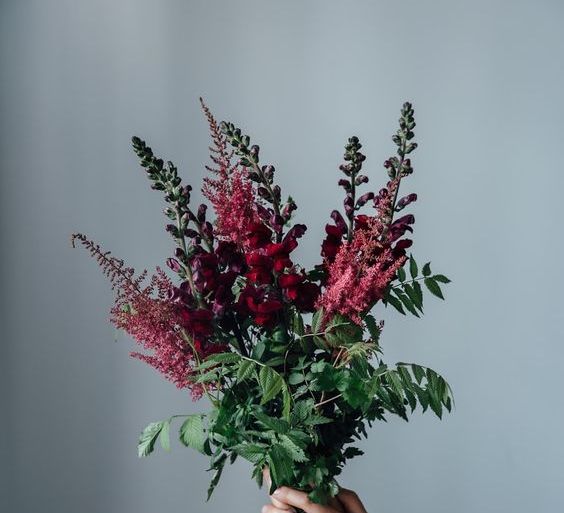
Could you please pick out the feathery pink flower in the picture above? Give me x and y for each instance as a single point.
(361, 271)
(230, 192)
(153, 321)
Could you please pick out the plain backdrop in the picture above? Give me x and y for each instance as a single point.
(79, 78)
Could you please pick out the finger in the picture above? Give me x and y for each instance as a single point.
(281, 505)
(350, 501)
(300, 500)
(266, 476)
(268, 481)
(270, 508)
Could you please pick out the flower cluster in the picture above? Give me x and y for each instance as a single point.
(290, 391)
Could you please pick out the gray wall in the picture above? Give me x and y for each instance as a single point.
(79, 78)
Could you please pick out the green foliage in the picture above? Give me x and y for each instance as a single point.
(192, 433)
(407, 295)
(148, 438)
(298, 396)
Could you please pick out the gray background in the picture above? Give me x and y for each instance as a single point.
(486, 78)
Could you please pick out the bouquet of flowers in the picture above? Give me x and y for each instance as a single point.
(290, 359)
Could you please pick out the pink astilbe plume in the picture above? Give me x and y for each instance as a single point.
(146, 313)
(361, 271)
(153, 321)
(230, 191)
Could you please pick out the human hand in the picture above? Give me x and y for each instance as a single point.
(285, 500)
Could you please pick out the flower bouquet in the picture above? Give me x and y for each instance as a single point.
(290, 359)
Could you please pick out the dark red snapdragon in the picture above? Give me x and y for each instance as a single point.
(299, 291)
(259, 303)
(334, 238)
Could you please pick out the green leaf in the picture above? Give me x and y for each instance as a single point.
(302, 411)
(427, 269)
(214, 359)
(406, 302)
(286, 402)
(395, 302)
(415, 298)
(192, 433)
(394, 380)
(401, 274)
(296, 452)
(405, 376)
(413, 267)
(278, 425)
(317, 321)
(270, 382)
(373, 328)
(433, 287)
(258, 350)
(218, 467)
(208, 376)
(296, 378)
(280, 464)
(148, 437)
(298, 324)
(255, 453)
(441, 278)
(165, 435)
(245, 370)
(276, 361)
(419, 292)
(418, 372)
(411, 399)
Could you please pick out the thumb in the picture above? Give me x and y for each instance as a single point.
(350, 501)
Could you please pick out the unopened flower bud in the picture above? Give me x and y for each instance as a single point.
(406, 200)
(173, 264)
(202, 212)
(360, 202)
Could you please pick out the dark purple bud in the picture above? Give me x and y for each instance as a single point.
(348, 204)
(254, 150)
(406, 200)
(192, 234)
(360, 202)
(263, 192)
(277, 222)
(263, 212)
(207, 229)
(173, 264)
(254, 176)
(268, 172)
(406, 219)
(186, 191)
(289, 208)
(339, 221)
(360, 179)
(202, 212)
(170, 228)
(296, 231)
(404, 244)
(345, 184)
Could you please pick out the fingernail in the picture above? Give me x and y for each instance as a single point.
(277, 493)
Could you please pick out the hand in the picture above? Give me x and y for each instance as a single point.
(285, 499)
